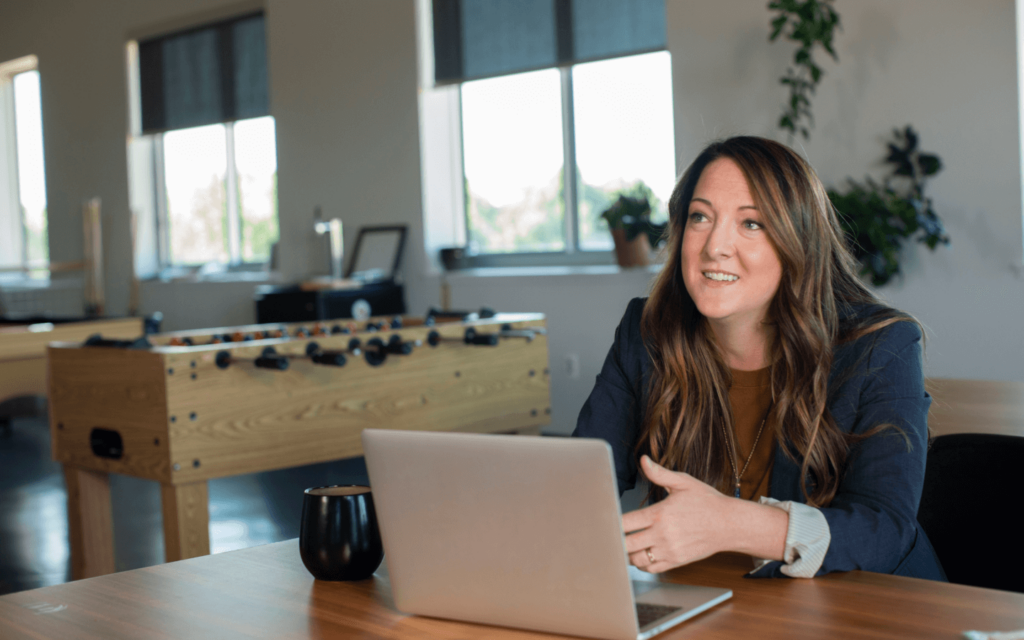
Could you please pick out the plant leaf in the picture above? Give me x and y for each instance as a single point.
(777, 25)
(911, 137)
(929, 163)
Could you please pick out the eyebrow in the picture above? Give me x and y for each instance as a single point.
(746, 206)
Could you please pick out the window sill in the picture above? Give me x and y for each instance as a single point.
(259, 277)
(18, 281)
(550, 271)
(23, 282)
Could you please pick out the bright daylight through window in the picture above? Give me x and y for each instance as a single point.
(221, 192)
(201, 115)
(516, 137)
(26, 243)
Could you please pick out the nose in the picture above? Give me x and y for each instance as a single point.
(720, 242)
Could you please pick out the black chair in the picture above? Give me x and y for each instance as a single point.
(972, 508)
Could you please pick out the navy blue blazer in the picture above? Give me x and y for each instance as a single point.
(874, 380)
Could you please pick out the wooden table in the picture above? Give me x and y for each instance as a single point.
(976, 406)
(265, 592)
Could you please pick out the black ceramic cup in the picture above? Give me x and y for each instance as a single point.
(338, 537)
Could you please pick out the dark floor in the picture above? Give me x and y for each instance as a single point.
(244, 510)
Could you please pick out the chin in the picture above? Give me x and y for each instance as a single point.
(715, 312)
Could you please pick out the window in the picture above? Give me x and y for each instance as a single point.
(202, 130)
(23, 224)
(612, 119)
(220, 193)
(563, 104)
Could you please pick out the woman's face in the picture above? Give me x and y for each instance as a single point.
(730, 268)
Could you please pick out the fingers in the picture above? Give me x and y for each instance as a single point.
(638, 520)
(641, 561)
(640, 540)
(659, 475)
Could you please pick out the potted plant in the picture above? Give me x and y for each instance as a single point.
(877, 218)
(629, 220)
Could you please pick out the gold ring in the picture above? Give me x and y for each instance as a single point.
(650, 556)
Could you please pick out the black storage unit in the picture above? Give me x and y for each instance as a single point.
(292, 304)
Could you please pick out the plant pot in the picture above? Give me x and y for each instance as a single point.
(631, 253)
(453, 258)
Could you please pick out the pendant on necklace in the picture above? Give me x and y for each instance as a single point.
(737, 494)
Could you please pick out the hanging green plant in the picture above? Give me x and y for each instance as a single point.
(811, 23)
(877, 218)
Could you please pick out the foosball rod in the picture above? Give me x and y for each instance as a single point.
(472, 337)
(283, 332)
(375, 351)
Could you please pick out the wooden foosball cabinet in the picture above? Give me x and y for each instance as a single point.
(23, 349)
(195, 405)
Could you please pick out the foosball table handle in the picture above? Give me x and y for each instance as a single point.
(470, 337)
(530, 333)
(330, 358)
(399, 348)
(486, 339)
(376, 352)
(270, 360)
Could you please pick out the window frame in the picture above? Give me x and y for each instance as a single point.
(234, 240)
(572, 254)
(147, 171)
(22, 268)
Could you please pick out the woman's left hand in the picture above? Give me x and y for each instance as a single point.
(688, 525)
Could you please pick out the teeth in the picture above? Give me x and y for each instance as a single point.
(721, 277)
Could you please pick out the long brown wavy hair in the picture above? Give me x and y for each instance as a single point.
(812, 313)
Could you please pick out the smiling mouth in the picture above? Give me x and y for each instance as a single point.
(718, 276)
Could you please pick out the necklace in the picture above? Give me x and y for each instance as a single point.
(732, 455)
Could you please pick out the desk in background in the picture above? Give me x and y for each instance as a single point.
(265, 592)
(327, 301)
(976, 406)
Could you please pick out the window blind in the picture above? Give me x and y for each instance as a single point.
(209, 74)
(484, 38)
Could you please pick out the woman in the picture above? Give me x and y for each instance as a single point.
(774, 405)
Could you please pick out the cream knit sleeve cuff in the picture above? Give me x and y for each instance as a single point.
(807, 539)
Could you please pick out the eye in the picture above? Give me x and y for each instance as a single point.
(753, 225)
(697, 216)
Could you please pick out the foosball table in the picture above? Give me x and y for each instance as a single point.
(182, 408)
(23, 357)
(23, 348)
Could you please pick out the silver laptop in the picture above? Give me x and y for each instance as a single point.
(514, 531)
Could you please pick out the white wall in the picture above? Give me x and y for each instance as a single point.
(343, 88)
(948, 68)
